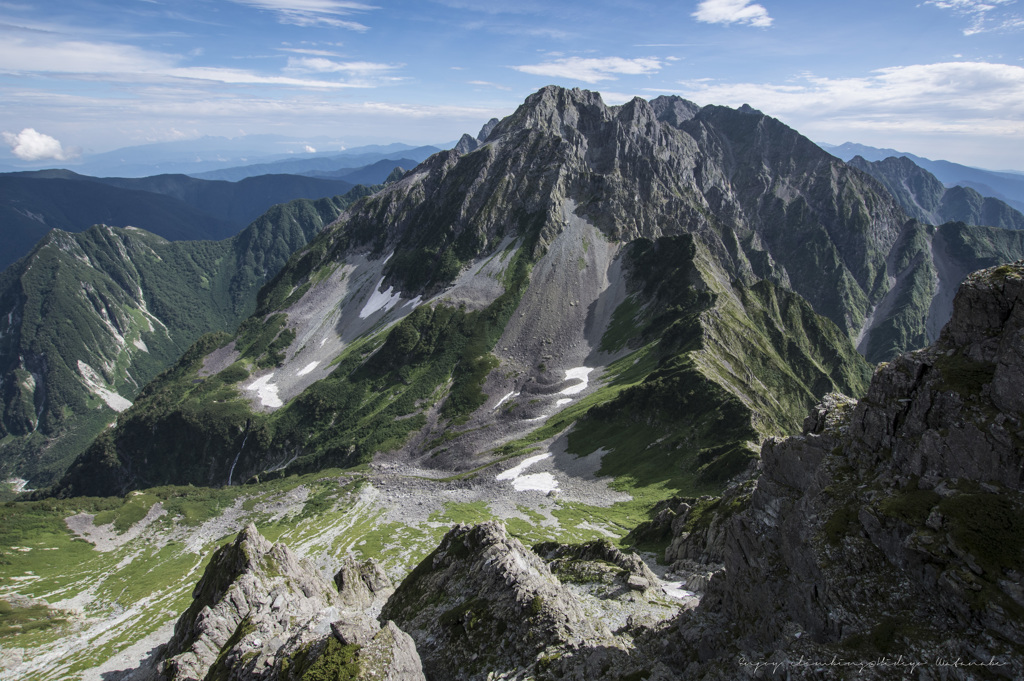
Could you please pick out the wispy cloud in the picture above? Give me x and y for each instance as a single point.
(313, 12)
(592, 70)
(732, 12)
(502, 28)
(29, 145)
(950, 96)
(982, 15)
(487, 83)
(323, 65)
(20, 54)
(126, 63)
(309, 51)
(243, 77)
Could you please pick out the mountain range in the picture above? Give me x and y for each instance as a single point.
(925, 198)
(583, 264)
(176, 207)
(1007, 186)
(591, 322)
(196, 156)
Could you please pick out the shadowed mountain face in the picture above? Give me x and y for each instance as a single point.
(922, 196)
(677, 281)
(90, 318)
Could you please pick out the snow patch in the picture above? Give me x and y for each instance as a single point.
(19, 485)
(564, 400)
(676, 590)
(308, 368)
(266, 391)
(542, 482)
(511, 393)
(140, 344)
(581, 373)
(380, 300)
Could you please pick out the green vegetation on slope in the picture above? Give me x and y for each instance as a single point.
(184, 428)
(126, 303)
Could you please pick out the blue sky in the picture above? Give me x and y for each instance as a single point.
(939, 78)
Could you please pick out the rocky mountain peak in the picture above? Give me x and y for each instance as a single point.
(253, 596)
(674, 110)
(556, 109)
(485, 131)
(261, 612)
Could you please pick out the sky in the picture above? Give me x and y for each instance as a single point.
(943, 79)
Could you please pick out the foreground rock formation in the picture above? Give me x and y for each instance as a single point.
(260, 612)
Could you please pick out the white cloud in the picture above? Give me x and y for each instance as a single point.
(315, 53)
(21, 55)
(313, 12)
(29, 145)
(323, 65)
(487, 83)
(309, 150)
(982, 15)
(113, 62)
(592, 70)
(964, 97)
(732, 12)
(242, 77)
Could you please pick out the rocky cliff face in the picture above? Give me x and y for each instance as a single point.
(483, 602)
(892, 527)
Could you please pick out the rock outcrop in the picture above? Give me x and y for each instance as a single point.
(260, 612)
(483, 602)
(891, 533)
